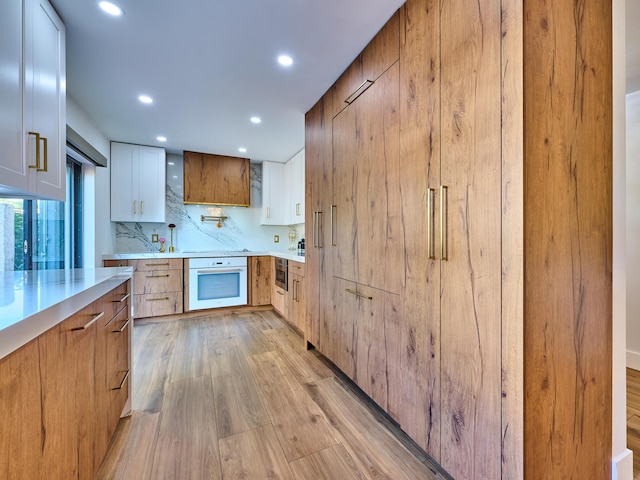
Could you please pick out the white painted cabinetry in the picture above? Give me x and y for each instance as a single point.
(273, 194)
(294, 180)
(33, 98)
(138, 183)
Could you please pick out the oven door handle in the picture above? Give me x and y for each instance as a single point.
(220, 270)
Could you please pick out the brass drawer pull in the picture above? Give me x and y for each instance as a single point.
(122, 329)
(359, 91)
(124, 379)
(157, 276)
(89, 323)
(358, 294)
(124, 297)
(156, 299)
(156, 264)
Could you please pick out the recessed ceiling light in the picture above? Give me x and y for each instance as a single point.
(111, 8)
(242, 150)
(285, 60)
(145, 99)
(160, 138)
(255, 120)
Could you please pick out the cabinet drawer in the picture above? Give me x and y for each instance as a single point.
(158, 304)
(157, 281)
(296, 268)
(154, 264)
(114, 301)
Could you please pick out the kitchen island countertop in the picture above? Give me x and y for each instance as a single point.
(31, 302)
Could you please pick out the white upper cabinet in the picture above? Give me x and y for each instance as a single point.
(138, 183)
(294, 179)
(273, 194)
(33, 96)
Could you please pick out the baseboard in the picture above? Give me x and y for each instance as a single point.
(633, 360)
(622, 466)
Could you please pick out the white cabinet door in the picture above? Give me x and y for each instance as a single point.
(13, 171)
(295, 188)
(33, 95)
(273, 194)
(138, 183)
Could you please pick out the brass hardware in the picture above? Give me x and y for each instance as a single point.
(37, 165)
(157, 276)
(122, 329)
(156, 299)
(89, 323)
(213, 218)
(134, 207)
(315, 229)
(444, 237)
(297, 209)
(258, 267)
(124, 379)
(334, 227)
(124, 298)
(156, 264)
(46, 149)
(359, 91)
(358, 294)
(141, 207)
(430, 218)
(279, 292)
(267, 216)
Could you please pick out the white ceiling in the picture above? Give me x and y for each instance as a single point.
(210, 65)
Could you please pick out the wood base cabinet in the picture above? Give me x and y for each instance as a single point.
(296, 304)
(494, 369)
(59, 393)
(260, 280)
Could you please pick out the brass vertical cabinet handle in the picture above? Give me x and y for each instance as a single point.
(444, 212)
(430, 219)
(297, 209)
(267, 212)
(40, 138)
(141, 207)
(314, 230)
(134, 207)
(258, 267)
(334, 226)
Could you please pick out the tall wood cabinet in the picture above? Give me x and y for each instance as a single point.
(423, 217)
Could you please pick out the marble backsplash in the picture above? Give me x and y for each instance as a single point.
(241, 230)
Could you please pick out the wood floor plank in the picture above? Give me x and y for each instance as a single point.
(187, 439)
(255, 454)
(189, 358)
(375, 449)
(329, 464)
(304, 364)
(132, 449)
(300, 425)
(238, 404)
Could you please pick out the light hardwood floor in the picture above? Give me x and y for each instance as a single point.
(235, 395)
(633, 418)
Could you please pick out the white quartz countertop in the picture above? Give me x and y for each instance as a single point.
(31, 302)
(213, 253)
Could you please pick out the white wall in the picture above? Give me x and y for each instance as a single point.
(99, 232)
(622, 458)
(633, 229)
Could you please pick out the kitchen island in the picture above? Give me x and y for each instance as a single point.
(32, 302)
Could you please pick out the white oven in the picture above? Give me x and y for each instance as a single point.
(217, 282)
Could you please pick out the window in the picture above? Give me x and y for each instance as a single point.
(46, 234)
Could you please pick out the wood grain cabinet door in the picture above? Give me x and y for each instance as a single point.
(260, 280)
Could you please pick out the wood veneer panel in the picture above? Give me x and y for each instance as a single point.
(254, 454)
(260, 280)
(20, 410)
(216, 179)
(471, 277)
(512, 242)
(568, 239)
(419, 339)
